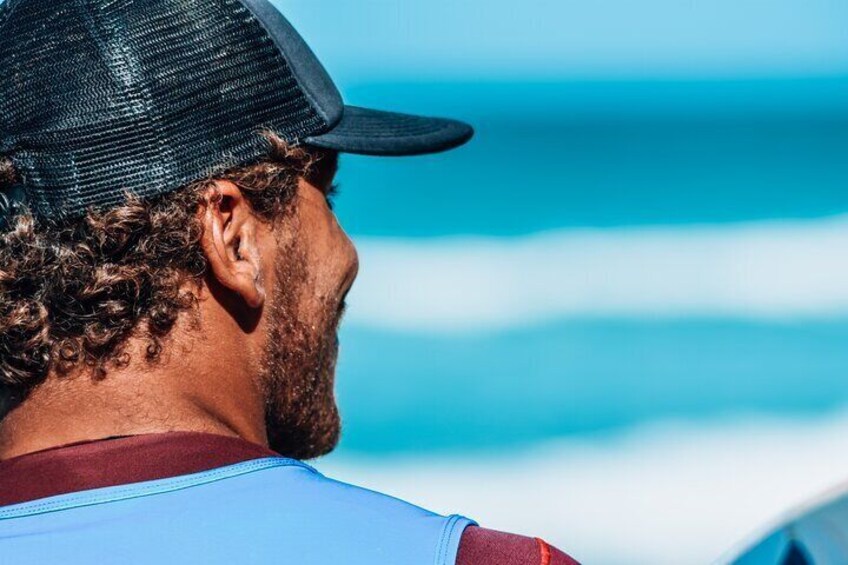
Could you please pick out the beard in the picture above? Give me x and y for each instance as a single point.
(299, 362)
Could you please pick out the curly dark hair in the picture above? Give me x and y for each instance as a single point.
(73, 292)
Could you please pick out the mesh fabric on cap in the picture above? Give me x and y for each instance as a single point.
(100, 97)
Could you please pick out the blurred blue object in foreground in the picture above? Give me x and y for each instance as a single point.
(818, 536)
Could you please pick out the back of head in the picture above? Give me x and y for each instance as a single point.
(72, 291)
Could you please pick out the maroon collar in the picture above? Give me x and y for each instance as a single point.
(117, 461)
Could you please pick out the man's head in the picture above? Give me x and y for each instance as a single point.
(259, 242)
(163, 265)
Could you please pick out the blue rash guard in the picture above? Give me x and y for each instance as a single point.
(268, 510)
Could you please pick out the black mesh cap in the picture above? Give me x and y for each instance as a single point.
(99, 97)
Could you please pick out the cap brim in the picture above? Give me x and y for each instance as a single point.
(374, 132)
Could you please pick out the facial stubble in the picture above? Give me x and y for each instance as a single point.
(298, 366)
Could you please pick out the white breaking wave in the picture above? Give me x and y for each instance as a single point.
(674, 494)
(757, 270)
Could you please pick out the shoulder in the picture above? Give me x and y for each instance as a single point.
(476, 545)
(481, 546)
(351, 515)
(328, 493)
(354, 512)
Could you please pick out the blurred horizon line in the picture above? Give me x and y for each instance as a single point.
(557, 97)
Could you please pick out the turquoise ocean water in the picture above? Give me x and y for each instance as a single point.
(555, 156)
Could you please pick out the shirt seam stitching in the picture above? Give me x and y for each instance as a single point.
(446, 537)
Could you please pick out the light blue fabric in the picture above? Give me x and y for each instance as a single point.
(272, 510)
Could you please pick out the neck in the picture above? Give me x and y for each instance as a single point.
(217, 395)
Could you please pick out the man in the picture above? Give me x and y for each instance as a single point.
(171, 282)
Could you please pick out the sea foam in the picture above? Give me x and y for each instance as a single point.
(759, 270)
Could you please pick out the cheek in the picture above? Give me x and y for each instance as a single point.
(350, 264)
(331, 255)
(337, 260)
(342, 251)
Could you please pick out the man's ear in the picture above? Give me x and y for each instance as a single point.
(230, 242)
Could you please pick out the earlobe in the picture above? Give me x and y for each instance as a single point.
(230, 243)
